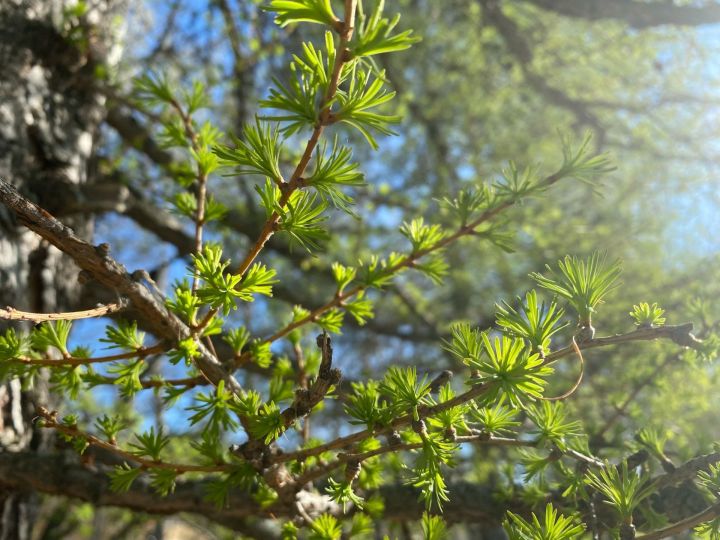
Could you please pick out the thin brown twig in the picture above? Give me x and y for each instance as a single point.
(201, 179)
(80, 361)
(50, 419)
(11, 314)
(688, 523)
(477, 438)
(575, 386)
(680, 334)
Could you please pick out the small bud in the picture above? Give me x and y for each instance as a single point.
(585, 333)
(441, 380)
(627, 531)
(419, 427)
(352, 471)
(394, 438)
(638, 458)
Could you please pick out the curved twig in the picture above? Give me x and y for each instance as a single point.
(11, 314)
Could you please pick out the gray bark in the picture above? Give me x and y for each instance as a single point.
(49, 116)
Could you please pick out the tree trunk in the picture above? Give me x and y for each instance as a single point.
(50, 111)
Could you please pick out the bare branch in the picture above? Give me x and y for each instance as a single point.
(681, 526)
(12, 314)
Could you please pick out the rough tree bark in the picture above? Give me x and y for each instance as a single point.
(50, 111)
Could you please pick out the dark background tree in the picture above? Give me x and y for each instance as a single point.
(491, 81)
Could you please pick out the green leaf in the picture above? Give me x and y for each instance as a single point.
(584, 283)
(452, 420)
(14, 345)
(356, 105)
(237, 338)
(185, 350)
(360, 308)
(185, 302)
(281, 389)
(261, 353)
(110, 426)
(421, 236)
(197, 98)
(342, 493)
(313, 11)
(163, 481)
(496, 420)
(710, 479)
(549, 418)
(128, 379)
(364, 405)
(325, 527)
(154, 88)
(303, 218)
(622, 489)
(374, 33)
(510, 371)
(554, 526)
(331, 321)
(289, 531)
(647, 316)
(465, 344)
(300, 100)
(433, 527)
(428, 477)
(469, 203)
(209, 448)
(150, 444)
(333, 172)
(217, 408)
(517, 184)
(534, 322)
(221, 289)
(362, 525)
(122, 477)
(268, 423)
(403, 390)
(379, 272)
(67, 380)
(270, 195)
(51, 334)
(248, 404)
(580, 163)
(124, 336)
(257, 280)
(433, 266)
(343, 276)
(258, 152)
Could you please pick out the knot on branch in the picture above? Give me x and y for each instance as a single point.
(419, 427)
(682, 335)
(441, 380)
(352, 470)
(306, 399)
(252, 451)
(393, 438)
(627, 531)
